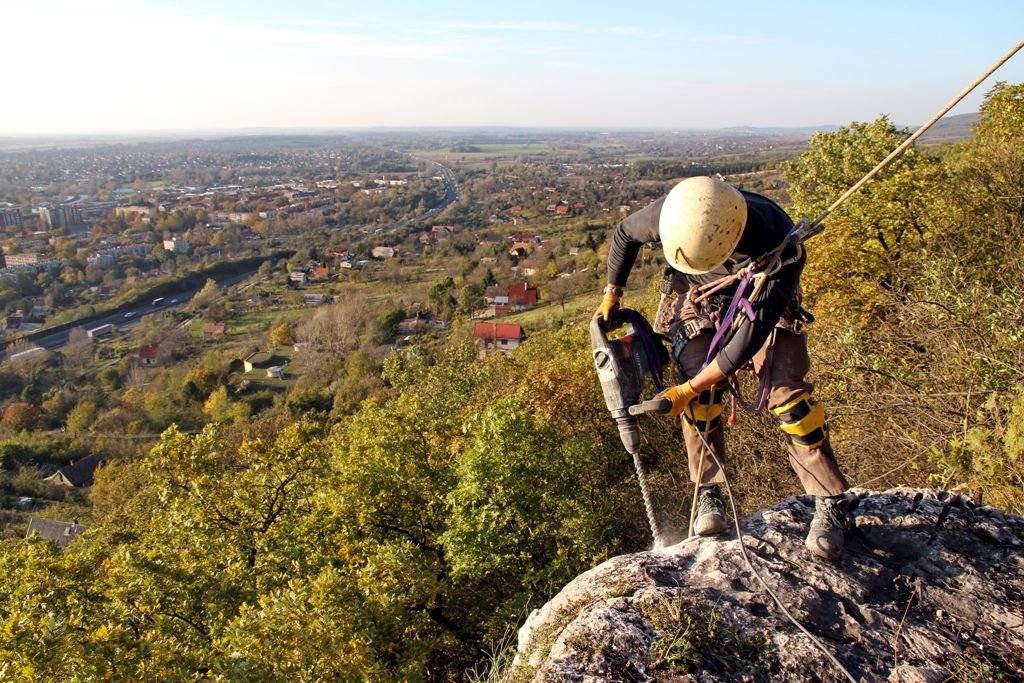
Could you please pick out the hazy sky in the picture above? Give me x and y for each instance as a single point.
(113, 65)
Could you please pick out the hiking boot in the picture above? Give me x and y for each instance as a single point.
(710, 512)
(831, 523)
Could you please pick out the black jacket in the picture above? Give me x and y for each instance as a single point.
(766, 228)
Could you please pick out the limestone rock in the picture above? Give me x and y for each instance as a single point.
(931, 588)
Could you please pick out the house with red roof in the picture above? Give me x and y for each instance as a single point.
(522, 296)
(147, 354)
(213, 330)
(441, 231)
(504, 337)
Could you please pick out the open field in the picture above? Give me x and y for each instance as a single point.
(576, 309)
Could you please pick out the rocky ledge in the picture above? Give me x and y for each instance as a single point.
(931, 588)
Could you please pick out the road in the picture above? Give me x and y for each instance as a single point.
(125, 320)
(451, 191)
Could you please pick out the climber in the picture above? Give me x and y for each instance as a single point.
(706, 228)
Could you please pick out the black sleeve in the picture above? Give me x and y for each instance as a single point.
(633, 232)
(772, 302)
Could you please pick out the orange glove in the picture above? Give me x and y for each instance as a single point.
(681, 395)
(609, 305)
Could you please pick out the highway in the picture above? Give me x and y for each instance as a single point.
(451, 191)
(127, 319)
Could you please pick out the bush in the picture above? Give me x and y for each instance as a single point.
(21, 417)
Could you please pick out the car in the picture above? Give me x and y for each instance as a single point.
(130, 314)
(174, 301)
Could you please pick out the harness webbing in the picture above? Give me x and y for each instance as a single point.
(723, 325)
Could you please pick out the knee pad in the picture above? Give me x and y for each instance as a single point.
(803, 421)
(707, 404)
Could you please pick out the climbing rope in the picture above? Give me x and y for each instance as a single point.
(804, 230)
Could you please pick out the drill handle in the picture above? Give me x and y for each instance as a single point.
(655, 405)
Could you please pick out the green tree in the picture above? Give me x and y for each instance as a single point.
(385, 326)
(282, 335)
(220, 408)
(201, 382)
(442, 301)
(869, 237)
(516, 516)
(205, 296)
(81, 417)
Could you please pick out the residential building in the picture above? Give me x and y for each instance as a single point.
(63, 216)
(519, 249)
(134, 211)
(522, 296)
(76, 475)
(504, 337)
(26, 259)
(105, 257)
(148, 355)
(101, 260)
(383, 252)
(176, 245)
(40, 313)
(98, 209)
(11, 218)
(212, 331)
(441, 231)
(54, 530)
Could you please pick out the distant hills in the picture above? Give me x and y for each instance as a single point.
(949, 129)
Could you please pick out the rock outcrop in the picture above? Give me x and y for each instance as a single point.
(931, 588)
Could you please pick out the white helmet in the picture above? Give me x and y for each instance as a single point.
(700, 225)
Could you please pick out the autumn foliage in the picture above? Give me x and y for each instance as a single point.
(402, 537)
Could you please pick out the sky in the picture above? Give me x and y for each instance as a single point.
(80, 66)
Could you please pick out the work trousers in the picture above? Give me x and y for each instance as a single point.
(789, 399)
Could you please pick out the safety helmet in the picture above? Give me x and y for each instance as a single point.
(700, 225)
